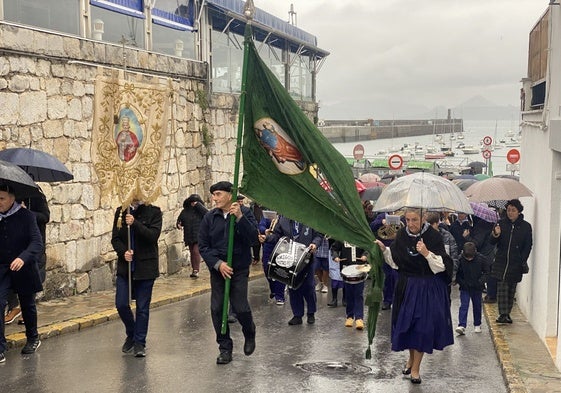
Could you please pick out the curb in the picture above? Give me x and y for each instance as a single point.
(510, 373)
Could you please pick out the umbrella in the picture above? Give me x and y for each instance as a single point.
(422, 190)
(477, 165)
(497, 188)
(371, 194)
(466, 176)
(481, 176)
(39, 165)
(483, 211)
(359, 186)
(16, 178)
(463, 184)
(369, 179)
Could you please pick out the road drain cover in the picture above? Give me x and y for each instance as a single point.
(333, 368)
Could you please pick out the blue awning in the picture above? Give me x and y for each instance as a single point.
(267, 23)
(127, 7)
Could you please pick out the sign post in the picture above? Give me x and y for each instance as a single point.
(487, 142)
(513, 156)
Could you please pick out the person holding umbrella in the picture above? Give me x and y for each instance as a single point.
(513, 237)
(213, 245)
(421, 319)
(135, 240)
(20, 249)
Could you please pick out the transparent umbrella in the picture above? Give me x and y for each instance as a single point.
(422, 190)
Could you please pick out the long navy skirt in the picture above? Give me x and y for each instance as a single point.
(421, 317)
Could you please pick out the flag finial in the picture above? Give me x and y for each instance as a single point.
(249, 9)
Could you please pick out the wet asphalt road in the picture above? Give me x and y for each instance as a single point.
(181, 357)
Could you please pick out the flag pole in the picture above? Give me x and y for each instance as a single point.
(249, 11)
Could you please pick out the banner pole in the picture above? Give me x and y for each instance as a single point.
(249, 15)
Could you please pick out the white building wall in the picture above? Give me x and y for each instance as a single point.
(538, 294)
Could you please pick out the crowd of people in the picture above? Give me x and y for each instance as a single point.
(425, 255)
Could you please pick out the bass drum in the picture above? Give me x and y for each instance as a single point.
(288, 262)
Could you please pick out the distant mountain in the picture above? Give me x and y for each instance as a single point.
(476, 108)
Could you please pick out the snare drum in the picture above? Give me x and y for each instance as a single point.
(288, 260)
(354, 274)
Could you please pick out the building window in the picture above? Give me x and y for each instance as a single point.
(57, 15)
(227, 60)
(172, 27)
(122, 21)
(301, 79)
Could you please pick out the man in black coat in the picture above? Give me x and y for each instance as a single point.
(145, 225)
(20, 248)
(213, 245)
(513, 237)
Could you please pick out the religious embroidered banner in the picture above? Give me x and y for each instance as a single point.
(129, 134)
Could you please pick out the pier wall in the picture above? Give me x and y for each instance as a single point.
(383, 129)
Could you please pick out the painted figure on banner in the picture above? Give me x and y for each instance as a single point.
(278, 144)
(128, 135)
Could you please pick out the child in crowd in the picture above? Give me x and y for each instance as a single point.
(336, 282)
(472, 272)
(346, 254)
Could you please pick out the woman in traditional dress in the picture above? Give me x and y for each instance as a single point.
(421, 319)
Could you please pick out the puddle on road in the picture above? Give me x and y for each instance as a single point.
(333, 368)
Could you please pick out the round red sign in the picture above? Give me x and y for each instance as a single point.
(358, 152)
(487, 141)
(513, 156)
(486, 154)
(395, 162)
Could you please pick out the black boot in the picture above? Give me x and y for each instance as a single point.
(333, 302)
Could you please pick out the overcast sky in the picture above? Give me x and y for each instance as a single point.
(391, 57)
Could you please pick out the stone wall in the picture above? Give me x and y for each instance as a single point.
(47, 94)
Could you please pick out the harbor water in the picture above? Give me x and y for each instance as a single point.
(502, 134)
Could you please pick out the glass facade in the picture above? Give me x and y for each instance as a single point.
(57, 15)
(124, 22)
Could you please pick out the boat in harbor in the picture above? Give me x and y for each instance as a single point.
(435, 156)
(470, 149)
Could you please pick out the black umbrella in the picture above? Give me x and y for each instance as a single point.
(18, 180)
(39, 165)
(371, 194)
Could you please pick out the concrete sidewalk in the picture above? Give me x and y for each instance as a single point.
(525, 360)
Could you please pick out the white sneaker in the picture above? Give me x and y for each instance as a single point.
(324, 288)
(477, 329)
(319, 285)
(461, 330)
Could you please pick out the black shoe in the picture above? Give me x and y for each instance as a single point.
(406, 370)
(295, 321)
(31, 346)
(311, 319)
(416, 381)
(508, 319)
(128, 345)
(332, 303)
(2, 357)
(503, 319)
(225, 357)
(139, 350)
(386, 306)
(249, 346)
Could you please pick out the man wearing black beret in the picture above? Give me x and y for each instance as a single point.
(213, 246)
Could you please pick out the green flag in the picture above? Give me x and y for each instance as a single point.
(290, 167)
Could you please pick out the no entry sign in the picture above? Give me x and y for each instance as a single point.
(358, 152)
(513, 156)
(395, 161)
